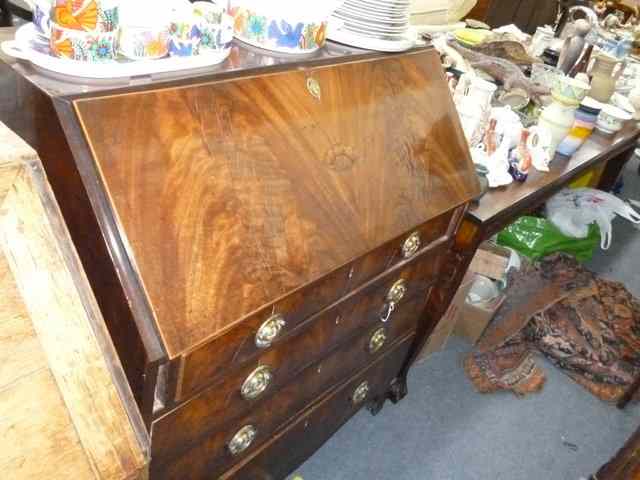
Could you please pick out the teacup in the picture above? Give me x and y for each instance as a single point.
(143, 42)
(42, 15)
(611, 119)
(185, 34)
(87, 15)
(215, 25)
(89, 47)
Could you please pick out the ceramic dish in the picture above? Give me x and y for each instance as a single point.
(611, 119)
(87, 15)
(340, 34)
(285, 27)
(83, 47)
(143, 42)
(29, 47)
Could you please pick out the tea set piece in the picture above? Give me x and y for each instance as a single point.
(611, 119)
(373, 24)
(28, 46)
(283, 26)
(103, 39)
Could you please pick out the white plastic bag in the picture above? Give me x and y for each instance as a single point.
(572, 211)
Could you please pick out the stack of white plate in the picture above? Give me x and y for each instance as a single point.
(373, 24)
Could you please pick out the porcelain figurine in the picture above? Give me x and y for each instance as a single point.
(520, 160)
(538, 143)
(573, 46)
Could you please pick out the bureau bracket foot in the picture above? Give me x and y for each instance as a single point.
(398, 389)
(375, 405)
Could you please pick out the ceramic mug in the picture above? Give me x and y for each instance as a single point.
(87, 15)
(89, 47)
(215, 25)
(143, 42)
(184, 33)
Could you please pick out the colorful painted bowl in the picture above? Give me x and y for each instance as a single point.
(89, 47)
(215, 25)
(570, 91)
(279, 30)
(87, 15)
(143, 43)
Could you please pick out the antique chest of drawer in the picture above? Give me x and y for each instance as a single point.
(263, 239)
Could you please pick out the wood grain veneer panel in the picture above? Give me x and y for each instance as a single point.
(233, 194)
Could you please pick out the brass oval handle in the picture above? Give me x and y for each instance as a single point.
(397, 291)
(377, 340)
(360, 393)
(256, 383)
(270, 330)
(242, 439)
(411, 245)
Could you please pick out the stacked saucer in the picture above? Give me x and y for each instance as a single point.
(373, 24)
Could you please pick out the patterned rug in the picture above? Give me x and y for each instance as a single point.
(587, 326)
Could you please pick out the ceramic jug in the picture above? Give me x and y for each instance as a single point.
(604, 77)
(473, 101)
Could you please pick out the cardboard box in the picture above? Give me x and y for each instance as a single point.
(475, 319)
(438, 339)
(491, 261)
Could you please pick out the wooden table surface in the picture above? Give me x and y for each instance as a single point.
(506, 201)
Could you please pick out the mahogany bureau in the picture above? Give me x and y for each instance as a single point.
(264, 239)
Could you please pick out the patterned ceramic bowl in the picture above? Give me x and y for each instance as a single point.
(143, 43)
(611, 119)
(90, 47)
(215, 25)
(570, 91)
(87, 15)
(285, 34)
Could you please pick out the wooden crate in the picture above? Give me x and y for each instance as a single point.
(66, 410)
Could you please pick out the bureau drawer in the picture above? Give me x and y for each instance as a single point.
(204, 365)
(292, 445)
(190, 424)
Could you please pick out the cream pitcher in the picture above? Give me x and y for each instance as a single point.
(605, 72)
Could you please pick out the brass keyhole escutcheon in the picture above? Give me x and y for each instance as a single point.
(270, 330)
(313, 86)
(411, 245)
(256, 383)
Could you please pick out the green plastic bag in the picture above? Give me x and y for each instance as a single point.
(537, 237)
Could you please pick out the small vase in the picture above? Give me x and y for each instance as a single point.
(603, 82)
(558, 119)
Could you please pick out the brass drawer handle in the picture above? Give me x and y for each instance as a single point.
(360, 393)
(256, 383)
(377, 340)
(242, 439)
(269, 331)
(411, 245)
(397, 291)
(394, 296)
